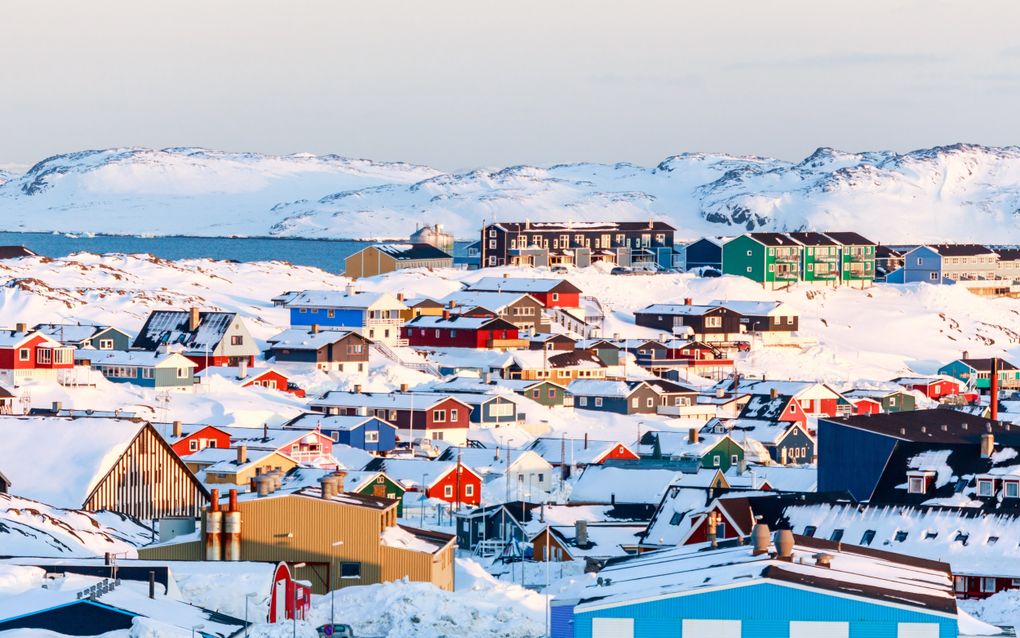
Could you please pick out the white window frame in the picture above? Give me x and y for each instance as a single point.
(106, 344)
(24, 354)
(447, 491)
(372, 436)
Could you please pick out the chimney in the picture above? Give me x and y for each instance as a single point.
(987, 445)
(994, 400)
(233, 500)
(404, 387)
(713, 528)
(178, 430)
(57, 405)
(315, 328)
(453, 304)
(152, 583)
(784, 544)
(265, 432)
(349, 290)
(262, 484)
(773, 393)
(823, 560)
(586, 440)
(400, 296)
(242, 455)
(688, 301)
(340, 476)
(327, 485)
(693, 436)
(580, 533)
(488, 378)
(242, 369)
(193, 319)
(720, 393)
(762, 539)
(446, 314)
(966, 355)
(21, 327)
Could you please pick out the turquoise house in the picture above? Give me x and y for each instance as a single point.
(797, 587)
(977, 374)
(159, 370)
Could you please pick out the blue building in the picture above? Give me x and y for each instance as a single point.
(368, 433)
(374, 315)
(705, 252)
(947, 264)
(160, 370)
(797, 587)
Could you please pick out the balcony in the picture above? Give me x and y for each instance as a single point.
(831, 274)
(787, 259)
(854, 258)
(384, 322)
(787, 275)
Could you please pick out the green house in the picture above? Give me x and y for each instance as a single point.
(857, 258)
(771, 259)
(376, 484)
(722, 454)
(821, 258)
(546, 393)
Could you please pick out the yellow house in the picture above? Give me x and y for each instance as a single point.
(384, 258)
(237, 466)
(343, 538)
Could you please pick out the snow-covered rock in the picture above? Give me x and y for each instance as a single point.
(961, 192)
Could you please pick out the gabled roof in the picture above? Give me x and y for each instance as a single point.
(985, 365)
(773, 239)
(610, 484)
(680, 310)
(13, 252)
(233, 373)
(1007, 254)
(849, 238)
(410, 472)
(750, 308)
(343, 299)
(577, 451)
(383, 400)
(306, 339)
(460, 322)
(809, 238)
(73, 333)
(14, 338)
(960, 250)
(135, 358)
(493, 301)
(764, 406)
(411, 252)
(170, 327)
(523, 284)
(313, 420)
(59, 461)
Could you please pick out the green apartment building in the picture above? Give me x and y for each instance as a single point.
(780, 259)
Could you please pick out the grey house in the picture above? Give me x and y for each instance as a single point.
(86, 335)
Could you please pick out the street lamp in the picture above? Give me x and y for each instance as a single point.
(246, 603)
(293, 613)
(332, 580)
(424, 495)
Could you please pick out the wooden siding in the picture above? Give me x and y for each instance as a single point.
(147, 482)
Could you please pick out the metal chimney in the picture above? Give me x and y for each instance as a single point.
(784, 544)
(194, 319)
(762, 539)
(580, 533)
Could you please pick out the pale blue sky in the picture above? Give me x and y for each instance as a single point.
(473, 83)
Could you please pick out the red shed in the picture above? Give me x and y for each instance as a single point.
(932, 387)
(457, 483)
(865, 405)
(552, 293)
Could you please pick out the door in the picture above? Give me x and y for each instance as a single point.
(612, 628)
(280, 600)
(803, 629)
(917, 630)
(711, 629)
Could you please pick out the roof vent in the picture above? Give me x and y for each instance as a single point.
(784, 544)
(762, 539)
(823, 560)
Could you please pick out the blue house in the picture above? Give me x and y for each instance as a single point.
(946, 263)
(797, 586)
(375, 315)
(705, 252)
(368, 433)
(160, 370)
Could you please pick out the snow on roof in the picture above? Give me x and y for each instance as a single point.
(519, 284)
(601, 388)
(269, 438)
(313, 420)
(494, 301)
(783, 478)
(233, 373)
(417, 540)
(171, 327)
(12, 338)
(974, 543)
(58, 460)
(405, 252)
(490, 462)
(137, 358)
(341, 299)
(410, 472)
(470, 359)
(577, 451)
(381, 401)
(678, 443)
(763, 406)
(750, 308)
(762, 430)
(70, 333)
(676, 309)
(936, 461)
(605, 540)
(884, 576)
(453, 321)
(606, 484)
(305, 339)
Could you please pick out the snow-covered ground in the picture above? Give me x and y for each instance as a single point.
(864, 337)
(963, 192)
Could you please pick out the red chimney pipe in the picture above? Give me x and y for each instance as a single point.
(995, 389)
(233, 501)
(214, 498)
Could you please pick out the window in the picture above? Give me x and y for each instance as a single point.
(934, 276)
(236, 340)
(919, 261)
(869, 535)
(492, 243)
(372, 436)
(985, 487)
(538, 393)
(583, 402)
(650, 402)
(992, 540)
(556, 296)
(193, 445)
(182, 373)
(552, 393)
(988, 585)
(106, 344)
(916, 485)
(749, 269)
(713, 322)
(350, 571)
(900, 536)
(750, 253)
(598, 402)
(454, 414)
(961, 538)
(469, 490)
(448, 491)
(733, 459)
(45, 355)
(676, 518)
(148, 373)
(836, 536)
(614, 628)
(336, 436)
(1012, 489)
(716, 460)
(439, 416)
(24, 354)
(960, 583)
(303, 310)
(810, 530)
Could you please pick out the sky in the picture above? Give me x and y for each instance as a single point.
(468, 83)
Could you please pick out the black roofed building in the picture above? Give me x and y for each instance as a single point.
(15, 252)
(578, 243)
(384, 258)
(207, 338)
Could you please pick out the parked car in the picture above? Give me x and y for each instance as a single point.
(559, 270)
(621, 270)
(336, 630)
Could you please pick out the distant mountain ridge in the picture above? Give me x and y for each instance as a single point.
(962, 192)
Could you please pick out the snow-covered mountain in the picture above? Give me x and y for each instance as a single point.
(956, 193)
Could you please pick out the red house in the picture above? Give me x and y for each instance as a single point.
(248, 378)
(730, 517)
(190, 438)
(932, 387)
(448, 481)
(28, 355)
(461, 331)
(552, 293)
(416, 416)
(866, 405)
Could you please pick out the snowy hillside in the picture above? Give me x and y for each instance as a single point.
(960, 192)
